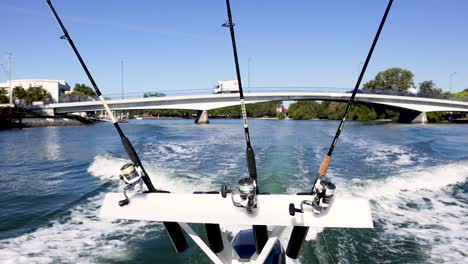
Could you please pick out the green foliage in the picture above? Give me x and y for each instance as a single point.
(429, 89)
(362, 113)
(3, 96)
(304, 110)
(391, 79)
(281, 115)
(435, 117)
(262, 109)
(20, 93)
(253, 110)
(448, 95)
(172, 112)
(230, 111)
(81, 90)
(463, 93)
(36, 93)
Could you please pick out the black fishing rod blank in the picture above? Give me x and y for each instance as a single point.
(323, 189)
(327, 159)
(174, 230)
(248, 187)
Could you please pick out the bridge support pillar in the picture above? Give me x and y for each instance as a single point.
(202, 117)
(413, 117)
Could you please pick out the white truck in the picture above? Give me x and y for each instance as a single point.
(231, 86)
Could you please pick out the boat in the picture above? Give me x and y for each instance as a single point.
(243, 204)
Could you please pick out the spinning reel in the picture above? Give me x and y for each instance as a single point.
(247, 195)
(132, 177)
(323, 191)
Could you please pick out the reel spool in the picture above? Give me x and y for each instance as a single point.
(324, 191)
(246, 197)
(131, 177)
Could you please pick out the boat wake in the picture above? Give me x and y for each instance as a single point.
(427, 206)
(425, 209)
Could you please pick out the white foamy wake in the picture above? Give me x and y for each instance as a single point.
(420, 204)
(81, 236)
(172, 150)
(107, 167)
(381, 154)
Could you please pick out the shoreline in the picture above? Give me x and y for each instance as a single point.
(47, 121)
(44, 121)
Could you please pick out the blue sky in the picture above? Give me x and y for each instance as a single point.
(174, 45)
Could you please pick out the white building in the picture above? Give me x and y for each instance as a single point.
(56, 88)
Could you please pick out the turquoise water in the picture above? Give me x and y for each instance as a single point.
(54, 179)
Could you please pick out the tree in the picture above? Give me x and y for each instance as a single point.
(262, 109)
(305, 110)
(335, 110)
(19, 93)
(3, 96)
(253, 110)
(37, 94)
(463, 93)
(281, 116)
(395, 79)
(81, 90)
(428, 89)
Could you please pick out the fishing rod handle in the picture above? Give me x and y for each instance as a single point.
(322, 171)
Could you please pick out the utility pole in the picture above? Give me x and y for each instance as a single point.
(122, 72)
(9, 78)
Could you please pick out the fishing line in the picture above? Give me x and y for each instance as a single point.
(326, 247)
(174, 230)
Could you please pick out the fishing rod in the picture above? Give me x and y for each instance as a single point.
(132, 173)
(248, 187)
(324, 190)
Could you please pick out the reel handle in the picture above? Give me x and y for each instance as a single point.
(124, 202)
(293, 209)
(225, 190)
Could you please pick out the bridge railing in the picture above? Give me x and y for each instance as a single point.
(135, 95)
(70, 99)
(445, 96)
(263, 89)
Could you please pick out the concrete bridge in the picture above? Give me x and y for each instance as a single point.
(414, 108)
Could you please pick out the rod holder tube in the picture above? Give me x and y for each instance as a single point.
(215, 239)
(176, 236)
(261, 237)
(296, 241)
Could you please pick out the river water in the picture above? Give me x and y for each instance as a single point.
(54, 179)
